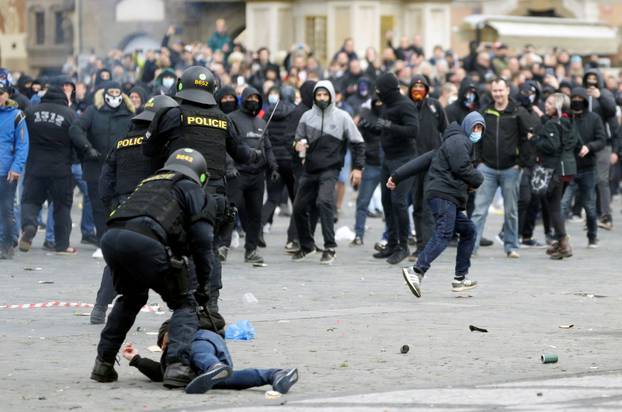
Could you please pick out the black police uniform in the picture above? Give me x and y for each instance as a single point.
(150, 235)
(199, 124)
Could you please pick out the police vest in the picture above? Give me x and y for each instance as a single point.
(155, 197)
(204, 129)
(132, 165)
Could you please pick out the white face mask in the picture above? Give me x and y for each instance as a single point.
(113, 101)
(168, 82)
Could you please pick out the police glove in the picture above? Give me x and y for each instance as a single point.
(275, 176)
(92, 154)
(382, 124)
(201, 296)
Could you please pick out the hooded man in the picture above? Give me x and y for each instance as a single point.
(601, 101)
(101, 125)
(398, 126)
(250, 184)
(165, 83)
(361, 96)
(138, 96)
(450, 177)
(14, 94)
(321, 138)
(432, 124)
(468, 101)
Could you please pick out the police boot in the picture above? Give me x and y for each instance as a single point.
(177, 375)
(103, 371)
(212, 301)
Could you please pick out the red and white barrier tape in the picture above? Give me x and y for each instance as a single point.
(150, 309)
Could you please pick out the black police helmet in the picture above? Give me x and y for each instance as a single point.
(153, 105)
(197, 84)
(189, 163)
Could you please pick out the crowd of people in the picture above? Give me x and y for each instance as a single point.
(439, 136)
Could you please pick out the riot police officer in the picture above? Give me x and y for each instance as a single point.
(124, 168)
(165, 220)
(199, 123)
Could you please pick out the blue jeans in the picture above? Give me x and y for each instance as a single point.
(509, 182)
(7, 213)
(448, 221)
(585, 183)
(369, 182)
(209, 348)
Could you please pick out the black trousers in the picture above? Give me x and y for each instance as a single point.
(275, 193)
(58, 190)
(247, 192)
(554, 198)
(316, 189)
(395, 205)
(99, 211)
(217, 187)
(422, 214)
(139, 263)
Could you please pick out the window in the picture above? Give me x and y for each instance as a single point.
(315, 35)
(59, 33)
(39, 27)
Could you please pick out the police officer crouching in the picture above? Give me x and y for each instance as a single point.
(123, 170)
(199, 123)
(164, 221)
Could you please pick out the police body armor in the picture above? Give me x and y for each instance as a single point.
(155, 198)
(132, 165)
(204, 129)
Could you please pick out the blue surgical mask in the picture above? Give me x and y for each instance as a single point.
(475, 136)
(273, 98)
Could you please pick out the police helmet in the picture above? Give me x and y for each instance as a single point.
(153, 105)
(197, 84)
(189, 163)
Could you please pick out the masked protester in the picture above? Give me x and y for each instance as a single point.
(432, 124)
(198, 123)
(101, 125)
(151, 236)
(468, 101)
(250, 184)
(362, 95)
(124, 168)
(321, 138)
(398, 126)
(165, 83)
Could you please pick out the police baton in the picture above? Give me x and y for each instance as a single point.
(263, 133)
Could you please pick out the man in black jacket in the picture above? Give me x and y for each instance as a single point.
(432, 124)
(250, 183)
(468, 101)
(501, 152)
(151, 236)
(594, 139)
(398, 126)
(450, 176)
(48, 169)
(102, 124)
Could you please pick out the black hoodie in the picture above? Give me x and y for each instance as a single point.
(591, 130)
(398, 139)
(281, 137)
(432, 119)
(604, 106)
(50, 152)
(226, 91)
(251, 130)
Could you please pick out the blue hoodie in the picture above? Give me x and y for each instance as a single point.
(13, 139)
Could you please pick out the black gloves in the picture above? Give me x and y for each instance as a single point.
(275, 176)
(382, 124)
(92, 154)
(201, 296)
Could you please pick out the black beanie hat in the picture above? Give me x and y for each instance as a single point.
(387, 83)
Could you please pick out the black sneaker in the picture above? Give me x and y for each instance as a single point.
(328, 256)
(292, 247)
(206, 381)
(25, 241)
(397, 256)
(284, 379)
(592, 243)
(177, 375)
(485, 242)
(89, 240)
(460, 285)
(358, 241)
(302, 255)
(385, 253)
(261, 242)
(51, 246)
(533, 243)
(413, 280)
(104, 372)
(251, 256)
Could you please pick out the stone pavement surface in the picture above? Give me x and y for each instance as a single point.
(343, 327)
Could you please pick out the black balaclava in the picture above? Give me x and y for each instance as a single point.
(306, 93)
(226, 107)
(387, 88)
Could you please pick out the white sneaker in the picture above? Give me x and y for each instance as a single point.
(97, 254)
(266, 228)
(235, 239)
(462, 285)
(413, 280)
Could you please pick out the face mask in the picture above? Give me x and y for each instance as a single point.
(451, 99)
(228, 107)
(41, 93)
(577, 105)
(475, 136)
(323, 104)
(525, 101)
(417, 95)
(251, 106)
(113, 101)
(273, 98)
(168, 82)
(532, 98)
